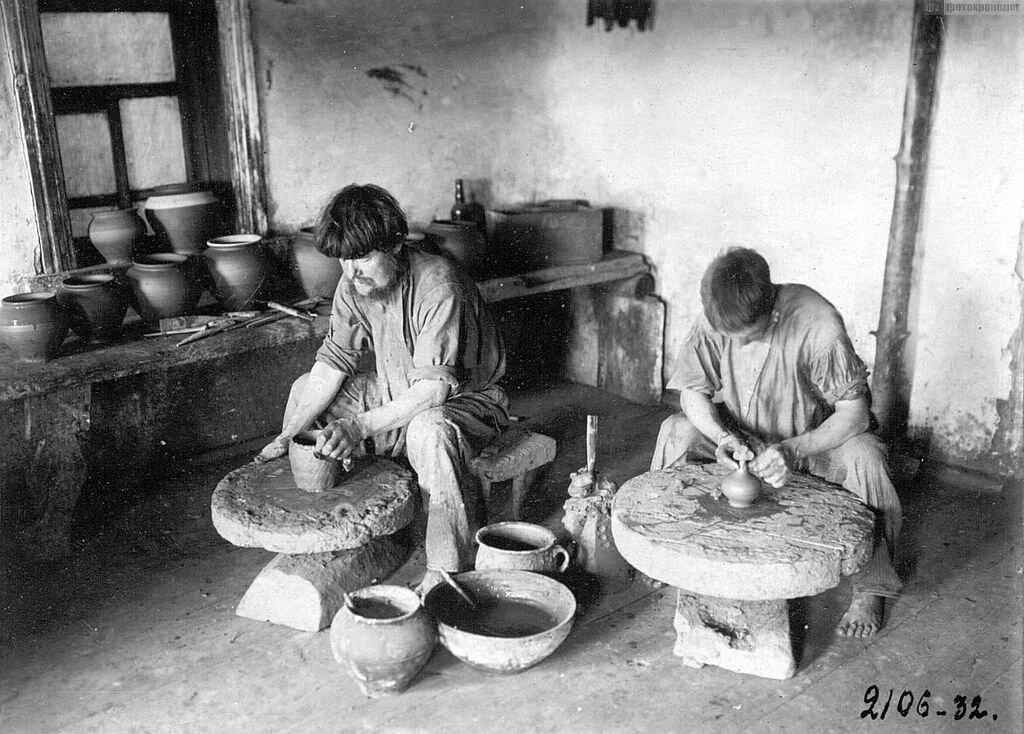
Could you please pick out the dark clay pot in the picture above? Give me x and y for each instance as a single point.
(96, 304)
(461, 241)
(33, 325)
(183, 218)
(164, 285)
(317, 273)
(116, 233)
(239, 270)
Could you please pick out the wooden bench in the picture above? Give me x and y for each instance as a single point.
(514, 456)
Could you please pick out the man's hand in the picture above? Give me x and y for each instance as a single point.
(731, 449)
(772, 465)
(338, 439)
(273, 450)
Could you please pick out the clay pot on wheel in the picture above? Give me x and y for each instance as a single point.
(164, 285)
(741, 487)
(116, 233)
(310, 472)
(96, 304)
(462, 241)
(184, 218)
(239, 270)
(33, 325)
(383, 638)
(317, 273)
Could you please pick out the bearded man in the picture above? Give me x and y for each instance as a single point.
(433, 398)
(791, 394)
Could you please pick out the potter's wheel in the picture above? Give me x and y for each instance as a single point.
(259, 506)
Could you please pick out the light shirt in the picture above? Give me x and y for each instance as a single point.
(787, 382)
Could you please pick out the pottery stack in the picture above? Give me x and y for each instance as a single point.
(116, 234)
(184, 217)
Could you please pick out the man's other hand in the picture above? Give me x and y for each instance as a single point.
(772, 465)
(273, 450)
(338, 439)
(732, 449)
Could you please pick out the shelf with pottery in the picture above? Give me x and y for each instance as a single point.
(82, 363)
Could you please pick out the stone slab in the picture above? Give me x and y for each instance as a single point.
(305, 591)
(749, 637)
(675, 526)
(259, 506)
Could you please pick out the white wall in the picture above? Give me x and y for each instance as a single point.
(772, 125)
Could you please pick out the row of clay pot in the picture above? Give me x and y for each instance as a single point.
(161, 285)
(182, 219)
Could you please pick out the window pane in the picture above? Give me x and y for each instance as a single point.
(86, 155)
(152, 141)
(85, 49)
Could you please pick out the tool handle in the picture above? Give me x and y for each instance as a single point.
(290, 311)
(591, 442)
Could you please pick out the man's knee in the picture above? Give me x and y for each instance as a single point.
(678, 431)
(429, 432)
(864, 451)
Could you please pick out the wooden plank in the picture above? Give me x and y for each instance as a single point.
(615, 266)
(19, 379)
(24, 44)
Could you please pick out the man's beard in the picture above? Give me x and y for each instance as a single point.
(396, 268)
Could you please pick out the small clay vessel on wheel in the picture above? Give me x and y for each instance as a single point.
(741, 487)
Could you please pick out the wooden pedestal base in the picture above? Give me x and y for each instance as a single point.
(744, 636)
(305, 590)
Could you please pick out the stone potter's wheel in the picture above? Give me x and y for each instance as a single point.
(259, 506)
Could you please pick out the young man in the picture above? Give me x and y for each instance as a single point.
(794, 396)
(434, 396)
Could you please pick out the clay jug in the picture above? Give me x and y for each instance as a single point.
(520, 546)
(239, 270)
(184, 217)
(463, 242)
(317, 273)
(383, 638)
(33, 325)
(164, 285)
(310, 472)
(116, 233)
(96, 304)
(741, 487)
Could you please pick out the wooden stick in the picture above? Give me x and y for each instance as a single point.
(592, 443)
(890, 386)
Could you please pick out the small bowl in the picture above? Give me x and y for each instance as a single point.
(310, 472)
(522, 617)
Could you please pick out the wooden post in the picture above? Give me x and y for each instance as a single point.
(891, 384)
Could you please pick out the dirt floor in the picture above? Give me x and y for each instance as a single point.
(136, 631)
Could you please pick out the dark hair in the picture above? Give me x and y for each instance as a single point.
(737, 290)
(359, 220)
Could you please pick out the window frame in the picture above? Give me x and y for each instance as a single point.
(240, 159)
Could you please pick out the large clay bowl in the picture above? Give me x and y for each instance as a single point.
(521, 618)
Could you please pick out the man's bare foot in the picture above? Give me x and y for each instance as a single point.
(863, 618)
(431, 579)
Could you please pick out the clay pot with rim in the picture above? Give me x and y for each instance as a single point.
(164, 285)
(33, 325)
(239, 269)
(310, 472)
(184, 216)
(520, 545)
(96, 304)
(116, 233)
(317, 274)
(383, 638)
(461, 241)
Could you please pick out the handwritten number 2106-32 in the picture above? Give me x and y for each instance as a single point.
(904, 705)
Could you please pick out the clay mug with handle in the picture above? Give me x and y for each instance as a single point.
(520, 546)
